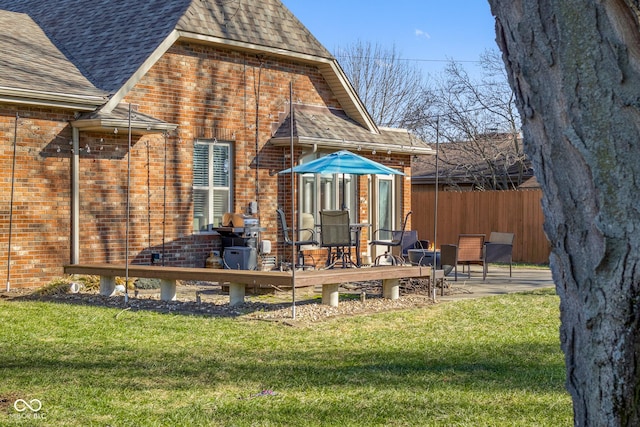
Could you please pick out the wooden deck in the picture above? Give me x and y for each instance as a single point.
(330, 280)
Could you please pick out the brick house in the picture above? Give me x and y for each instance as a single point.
(129, 128)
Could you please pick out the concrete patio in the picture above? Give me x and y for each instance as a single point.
(497, 282)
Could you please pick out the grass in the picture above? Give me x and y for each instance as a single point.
(526, 265)
(486, 362)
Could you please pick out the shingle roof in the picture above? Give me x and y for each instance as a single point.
(29, 61)
(262, 22)
(108, 40)
(465, 163)
(119, 118)
(327, 127)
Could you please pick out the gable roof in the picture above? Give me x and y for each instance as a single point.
(108, 40)
(262, 23)
(114, 43)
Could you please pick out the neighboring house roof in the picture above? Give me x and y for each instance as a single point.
(530, 184)
(333, 128)
(464, 164)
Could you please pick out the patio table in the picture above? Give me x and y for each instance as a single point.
(424, 257)
(357, 229)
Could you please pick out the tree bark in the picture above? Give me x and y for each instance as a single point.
(575, 69)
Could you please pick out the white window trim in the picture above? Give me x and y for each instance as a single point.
(212, 188)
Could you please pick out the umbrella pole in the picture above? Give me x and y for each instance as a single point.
(293, 207)
(344, 193)
(164, 199)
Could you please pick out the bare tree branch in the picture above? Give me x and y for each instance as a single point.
(393, 91)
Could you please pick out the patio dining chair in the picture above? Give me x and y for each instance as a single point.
(409, 241)
(335, 235)
(397, 241)
(305, 237)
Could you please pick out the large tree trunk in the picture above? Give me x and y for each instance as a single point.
(575, 68)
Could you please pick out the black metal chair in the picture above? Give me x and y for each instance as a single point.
(397, 240)
(335, 235)
(303, 240)
(409, 241)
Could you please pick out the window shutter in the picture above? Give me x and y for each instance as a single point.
(200, 165)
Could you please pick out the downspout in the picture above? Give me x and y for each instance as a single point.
(75, 196)
(13, 184)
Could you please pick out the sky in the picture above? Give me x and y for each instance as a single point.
(430, 32)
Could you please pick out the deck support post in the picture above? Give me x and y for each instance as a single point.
(168, 290)
(391, 288)
(330, 295)
(236, 293)
(107, 285)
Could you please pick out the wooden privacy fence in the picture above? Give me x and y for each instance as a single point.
(472, 212)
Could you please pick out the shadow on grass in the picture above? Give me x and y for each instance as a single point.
(122, 367)
(350, 372)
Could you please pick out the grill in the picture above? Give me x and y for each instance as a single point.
(240, 244)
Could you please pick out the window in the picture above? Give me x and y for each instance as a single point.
(385, 206)
(211, 183)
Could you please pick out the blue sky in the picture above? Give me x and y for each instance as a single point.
(431, 31)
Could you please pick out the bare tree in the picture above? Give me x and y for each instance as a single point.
(575, 68)
(392, 89)
(478, 119)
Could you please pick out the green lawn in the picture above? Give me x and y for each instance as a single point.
(486, 362)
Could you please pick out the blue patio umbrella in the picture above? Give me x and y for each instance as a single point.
(344, 162)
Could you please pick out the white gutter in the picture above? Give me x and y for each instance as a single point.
(140, 128)
(347, 144)
(50, 99)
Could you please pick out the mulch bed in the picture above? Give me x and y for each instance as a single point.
(209, 299)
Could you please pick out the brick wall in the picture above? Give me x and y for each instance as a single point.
(207, 91)
(40, 215)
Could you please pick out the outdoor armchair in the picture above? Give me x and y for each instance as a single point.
(469, 250)
(499, 248)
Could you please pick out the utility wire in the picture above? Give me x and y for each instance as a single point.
(466, 61)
